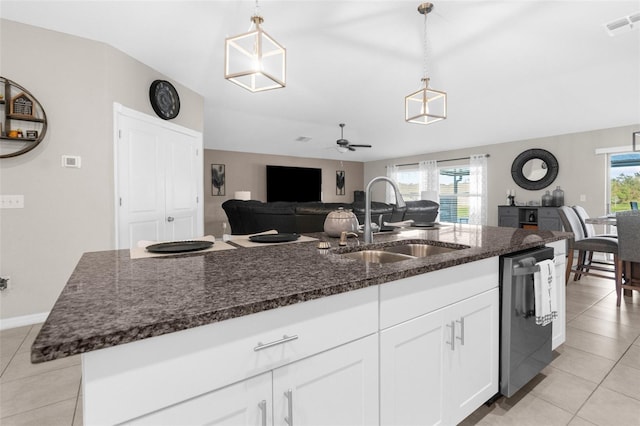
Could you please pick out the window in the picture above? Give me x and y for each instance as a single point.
(454, 190)
(454, 194)
(408, 180)
(624, 180)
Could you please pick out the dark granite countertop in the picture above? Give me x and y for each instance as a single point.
(111, 299)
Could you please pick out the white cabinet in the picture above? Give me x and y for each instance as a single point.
(412, 371)
(472, 357)
(559, 324)
(161, 373)
(247, 403)
(438, 368)
(337, 387)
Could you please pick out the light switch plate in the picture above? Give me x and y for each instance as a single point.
(12, 201)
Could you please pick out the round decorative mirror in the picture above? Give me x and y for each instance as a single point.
(534, 169)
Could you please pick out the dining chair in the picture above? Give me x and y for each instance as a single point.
(584, 244)
(628, 224)
(634, 205)
(589, 231)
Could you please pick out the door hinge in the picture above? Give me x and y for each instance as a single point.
(120, 200)
(197, 199)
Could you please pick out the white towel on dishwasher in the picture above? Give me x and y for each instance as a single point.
(544, 285)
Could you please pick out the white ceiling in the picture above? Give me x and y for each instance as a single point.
(512, 69)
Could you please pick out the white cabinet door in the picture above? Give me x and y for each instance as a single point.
(411, 372)
(440, 367)
(247, 403)
(472, 359)
(336, 387)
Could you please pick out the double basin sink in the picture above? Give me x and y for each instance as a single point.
(400, 252)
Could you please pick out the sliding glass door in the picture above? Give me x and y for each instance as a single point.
(624, 181)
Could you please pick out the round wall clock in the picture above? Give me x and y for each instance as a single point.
(164, 99)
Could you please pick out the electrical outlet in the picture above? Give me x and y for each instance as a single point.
(12, 201)
(583, 198)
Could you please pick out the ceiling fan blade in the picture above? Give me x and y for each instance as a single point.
(360, 146)
(351, 148)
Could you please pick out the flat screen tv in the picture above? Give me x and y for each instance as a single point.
(293, 184)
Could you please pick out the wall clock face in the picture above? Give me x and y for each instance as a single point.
(164, 99)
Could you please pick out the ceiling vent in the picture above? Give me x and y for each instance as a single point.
(303, 139)
(623, 25)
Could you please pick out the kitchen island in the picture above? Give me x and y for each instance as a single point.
(164, 337)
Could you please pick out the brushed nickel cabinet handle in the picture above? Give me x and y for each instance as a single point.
(461, 338)
(263, 411)
(284, 339)
(289, 419)
(452, 335)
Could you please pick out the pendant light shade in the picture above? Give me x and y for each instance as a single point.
(254, 60)
(427, 105)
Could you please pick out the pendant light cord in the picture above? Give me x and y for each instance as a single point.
(424, 47)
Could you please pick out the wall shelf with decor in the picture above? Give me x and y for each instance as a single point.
(23, 122)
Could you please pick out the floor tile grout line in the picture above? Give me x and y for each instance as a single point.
(35, 408)
(75, 406)
(16, 351)
(38, 374)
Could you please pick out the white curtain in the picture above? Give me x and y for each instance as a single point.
(392, 173)
(429, 184)
(478, 189)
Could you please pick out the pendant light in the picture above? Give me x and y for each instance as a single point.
(427, 105)
(254, 60)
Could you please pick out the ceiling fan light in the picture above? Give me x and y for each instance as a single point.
(425, 106)
(342, 149)
(255, 60)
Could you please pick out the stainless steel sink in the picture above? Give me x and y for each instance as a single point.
(377, 256)
(419, 250)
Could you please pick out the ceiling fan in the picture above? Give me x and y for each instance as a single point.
(344, 145)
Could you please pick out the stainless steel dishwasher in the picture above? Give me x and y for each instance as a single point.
(525, 347)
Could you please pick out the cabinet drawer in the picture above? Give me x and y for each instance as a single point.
(202, 359)
(548, 212)
(411, 297)
(508, 211)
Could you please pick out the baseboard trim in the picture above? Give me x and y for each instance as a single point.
(23, 320)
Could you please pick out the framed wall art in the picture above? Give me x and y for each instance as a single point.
(340, 182)
(218, 180)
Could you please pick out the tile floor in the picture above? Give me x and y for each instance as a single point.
(593, 380)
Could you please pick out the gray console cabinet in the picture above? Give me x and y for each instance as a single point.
(530, 217)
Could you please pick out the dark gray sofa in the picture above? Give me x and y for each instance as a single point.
(248, 217)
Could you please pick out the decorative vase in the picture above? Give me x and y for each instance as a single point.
(340, 220)
(558, 197)
(547, 199)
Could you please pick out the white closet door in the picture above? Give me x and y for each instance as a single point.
(181, 187)
(141, 183)
(159, 180)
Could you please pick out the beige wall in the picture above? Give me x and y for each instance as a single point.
(581, 171)
(247, 172)
(67, 211)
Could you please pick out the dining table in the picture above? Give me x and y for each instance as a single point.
(609, 219)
